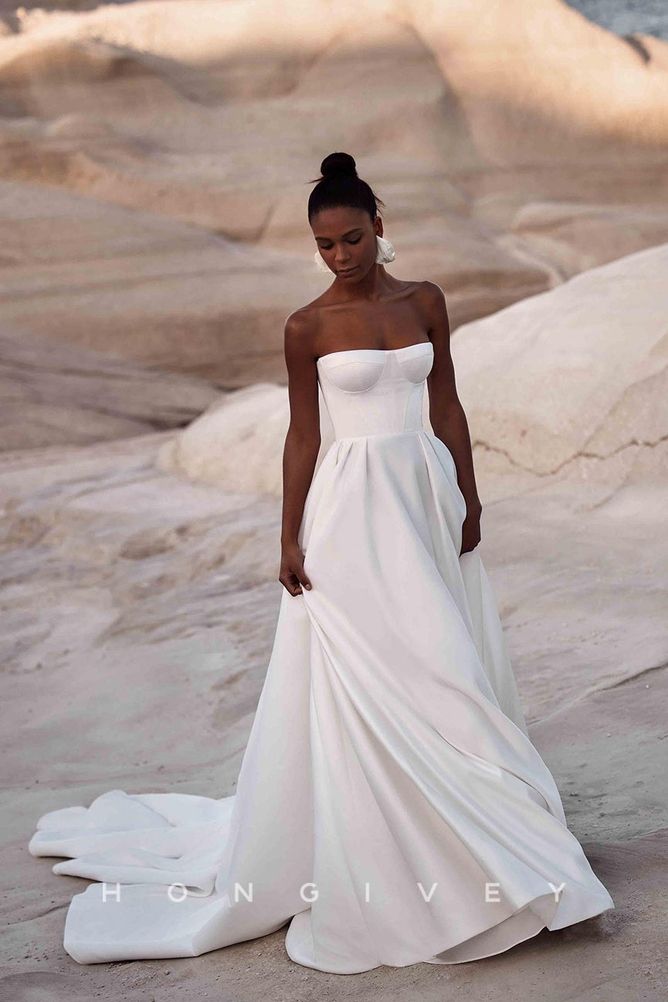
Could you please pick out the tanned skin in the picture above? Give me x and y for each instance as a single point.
(367, 309)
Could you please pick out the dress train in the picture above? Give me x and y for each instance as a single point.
(390, 805)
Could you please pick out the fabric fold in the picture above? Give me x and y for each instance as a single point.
(390, 805)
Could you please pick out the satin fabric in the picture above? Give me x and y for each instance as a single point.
(390, 805)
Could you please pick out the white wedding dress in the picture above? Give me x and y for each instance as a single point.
(390, 805)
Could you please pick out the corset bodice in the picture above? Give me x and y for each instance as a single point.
(375, 391)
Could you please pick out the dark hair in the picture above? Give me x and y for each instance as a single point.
(341, 185)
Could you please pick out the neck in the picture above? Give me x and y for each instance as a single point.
(374, 285)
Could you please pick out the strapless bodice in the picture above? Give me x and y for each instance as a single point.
(375, 391)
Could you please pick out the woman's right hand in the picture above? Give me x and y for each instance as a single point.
(292, 575)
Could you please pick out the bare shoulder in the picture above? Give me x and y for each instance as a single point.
(299, 333)
(302, 326)
(429, 294)
(430, 300)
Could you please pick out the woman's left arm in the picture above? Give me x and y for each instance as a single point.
(446, 413)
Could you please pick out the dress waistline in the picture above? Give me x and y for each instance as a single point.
(382, 434)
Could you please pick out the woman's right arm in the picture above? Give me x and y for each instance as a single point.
(302, 444)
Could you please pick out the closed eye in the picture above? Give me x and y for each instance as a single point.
(347, 241)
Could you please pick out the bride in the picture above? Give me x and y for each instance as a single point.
(390, 805)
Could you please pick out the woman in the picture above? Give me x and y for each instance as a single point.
(390, 805)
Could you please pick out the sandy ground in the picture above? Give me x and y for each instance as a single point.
(140, 581)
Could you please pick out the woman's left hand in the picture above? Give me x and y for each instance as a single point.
(471, 527)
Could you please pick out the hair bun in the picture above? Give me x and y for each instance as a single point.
(338, 164)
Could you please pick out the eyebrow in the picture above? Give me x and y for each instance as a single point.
(355, 229)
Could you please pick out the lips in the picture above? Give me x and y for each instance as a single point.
(348, 271)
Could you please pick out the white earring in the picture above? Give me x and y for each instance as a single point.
(385, 252)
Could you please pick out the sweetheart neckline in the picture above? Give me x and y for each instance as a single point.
(348, 351)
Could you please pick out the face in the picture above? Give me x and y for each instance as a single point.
(346, 239)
